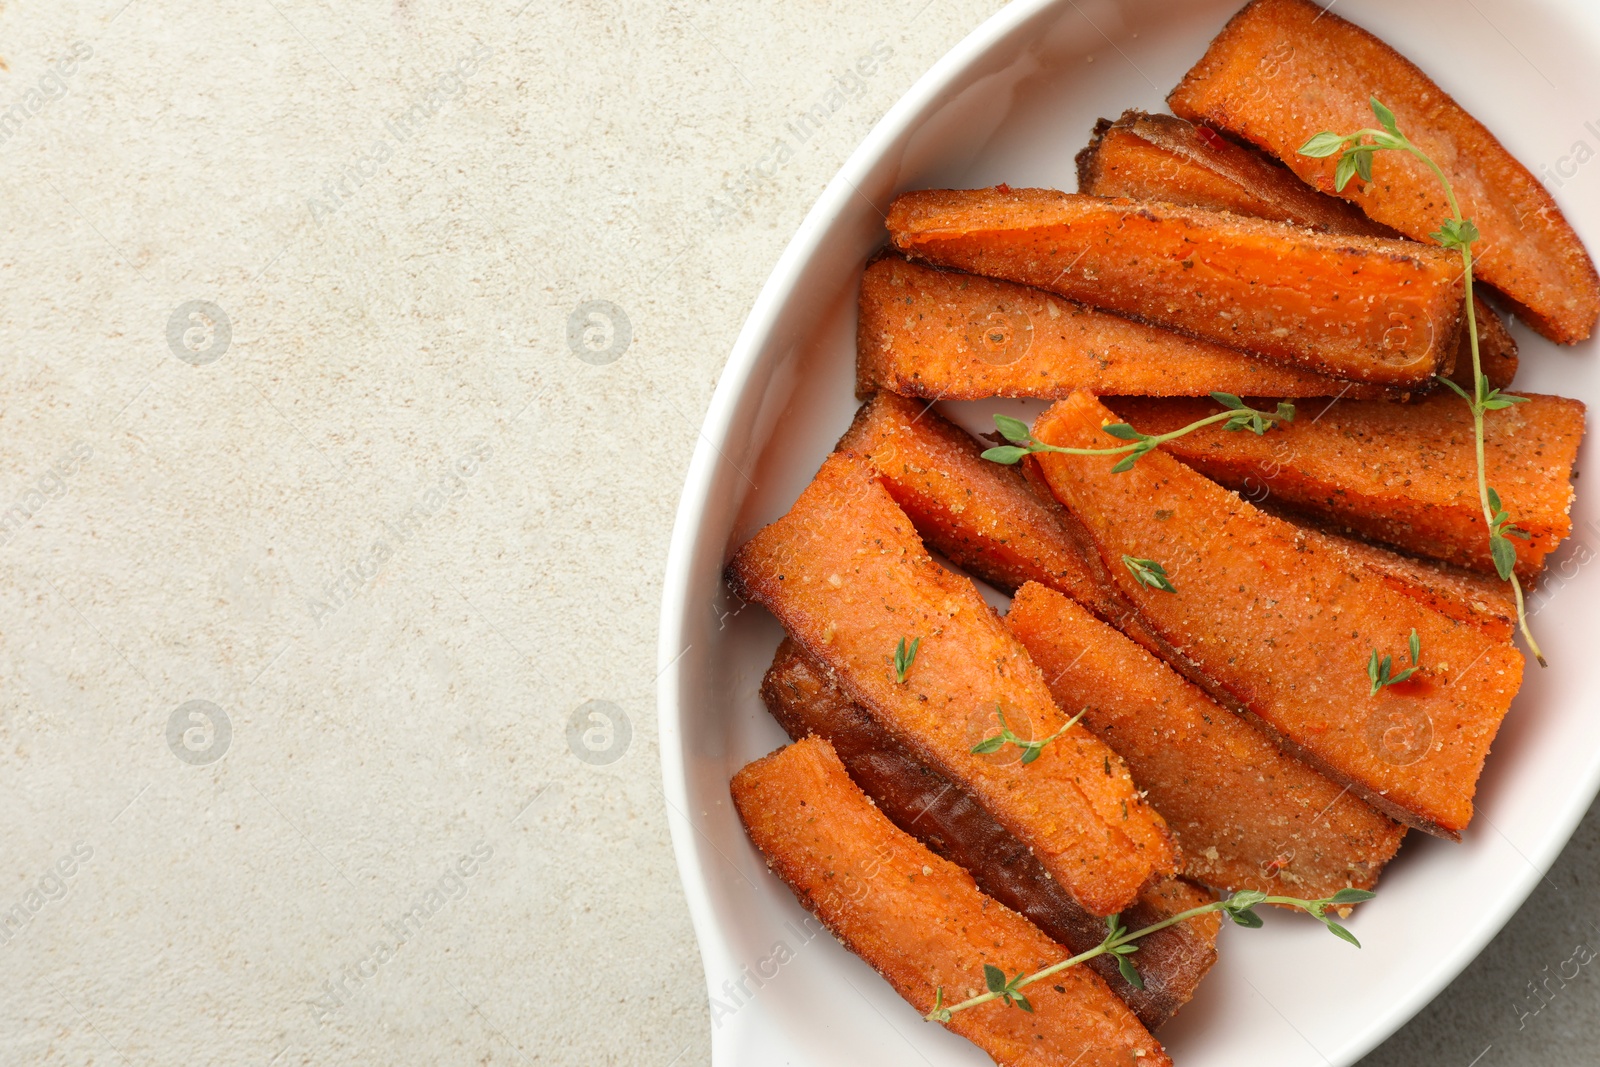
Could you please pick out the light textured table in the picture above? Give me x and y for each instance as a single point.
(352, 357)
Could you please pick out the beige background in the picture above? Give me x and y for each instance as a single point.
(396, 521)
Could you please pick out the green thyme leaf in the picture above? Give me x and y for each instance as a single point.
(1323, 144)
(1148, 572)
(1130, 974)
(1123, 432)
(1228, 400)
(1505, 556)
(994, 978)
(1384, 116)
(1014, 430)
(1341, 932)
(904, 656)
(1007, 454)
(1350, 895)
(1344, 171)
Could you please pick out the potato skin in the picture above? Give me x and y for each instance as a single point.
(1279, 626)
(1159, 157)
(1284, 70)
(920, 921)
(1361, 308)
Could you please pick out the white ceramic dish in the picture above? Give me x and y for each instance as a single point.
(1013, 103)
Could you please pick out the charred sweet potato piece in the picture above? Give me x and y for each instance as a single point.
(1403, 474)
(1363, 308)
(943, 816)
(1159, 157)
(846, 574)
(1283, 70)
(1273, 624)
(1246, 815)
(948, 336)
(920, 921)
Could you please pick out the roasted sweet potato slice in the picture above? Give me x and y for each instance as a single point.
(1482, 600)
(1272, 624)
(980, 515)
(1403, 474)
(1162, 157)
(920, 921)
(846, 574)
(1363, 308)
(983, 517)
(1246, 815)
(1159, 157)
(1283, 70)
(939, 813)
(948, 336)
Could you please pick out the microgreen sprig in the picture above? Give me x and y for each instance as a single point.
(1030, 749)
(904, 656)
(1240, 907)
(1148, 572)
(1379, 672)
(1236, 416)
(1456, 232)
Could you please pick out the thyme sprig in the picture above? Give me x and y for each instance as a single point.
(1030, 749)
(1379, 672)
(904, 656)
(1355, 160)
(1148, 572)
(1236, 416)
(1240, 907)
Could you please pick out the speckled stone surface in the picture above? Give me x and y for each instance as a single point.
(352, 359)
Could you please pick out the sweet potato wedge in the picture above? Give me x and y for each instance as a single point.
(985, 518)
(846, 574)
(943, 335)
(921, 922)
(1362, 308)
(1270, 623)
(939, 813)
(982, 516)
(1283, 70)
(1162, 157)
(1481, 600)
(1402, 474)
(1159, 157)
(1246, 815)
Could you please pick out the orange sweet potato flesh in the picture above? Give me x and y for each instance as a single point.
(1283, 70)
(944, 335)
(985, 518)
(1159, 157)
(938, 812)
(1246, 815)
(1402, 474)
(1272, 624)
(980, 515)
(848, 577)
(1363, 308)
(920, 921)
